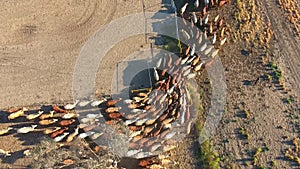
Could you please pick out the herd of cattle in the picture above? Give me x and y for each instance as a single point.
(151, 121)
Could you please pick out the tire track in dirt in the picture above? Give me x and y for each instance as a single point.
(91, 12)
(40, 38)
(92, 17)
(113, 11)
(264, 105)
(286, 43)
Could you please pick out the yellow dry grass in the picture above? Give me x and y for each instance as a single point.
(249, 21)
(292, 10)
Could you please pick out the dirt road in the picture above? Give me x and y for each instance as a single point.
(257, 118)
(286, 43)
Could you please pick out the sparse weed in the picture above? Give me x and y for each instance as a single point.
(269, 77)
(170, 44)
(244, 133)
(276, 70)
(290, 100)
(273, 164)
(256, 155)
(276, 75)
(207, 157)
(247, 113)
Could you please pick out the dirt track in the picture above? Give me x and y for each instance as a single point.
(286, 43)
(257, 116)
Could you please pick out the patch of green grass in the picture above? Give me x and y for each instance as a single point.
(171, 44)
(208, 158)
(277, 71)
